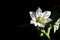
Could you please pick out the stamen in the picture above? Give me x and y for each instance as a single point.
(40, 20)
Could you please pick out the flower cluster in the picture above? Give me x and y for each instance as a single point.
(40, 19)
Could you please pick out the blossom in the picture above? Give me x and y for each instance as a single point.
(56, 26)
(40, 18)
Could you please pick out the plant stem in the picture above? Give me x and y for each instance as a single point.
(47, 33)
(47, 36)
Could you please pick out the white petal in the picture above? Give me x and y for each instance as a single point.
(55, 28)
(33, 22)
(47, 20)
(40, 25)
(38, 12)
(58, 20)
(32, 15)
(46, 14)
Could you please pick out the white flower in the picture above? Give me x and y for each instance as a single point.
(39, 18)
(56, 26)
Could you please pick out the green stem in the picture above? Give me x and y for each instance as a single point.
(47, 33)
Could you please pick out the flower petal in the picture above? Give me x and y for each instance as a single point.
(40, 25)
(32, 15)
(47, 20)
(46, 14)
(38, 12)
(55, 28)
(33, 22)
(58, 20)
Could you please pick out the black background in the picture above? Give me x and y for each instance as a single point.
(24, 30)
